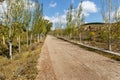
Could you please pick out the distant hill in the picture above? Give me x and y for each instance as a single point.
(95, 23)
(96, 26)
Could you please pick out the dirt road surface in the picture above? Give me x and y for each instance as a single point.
(60, 60)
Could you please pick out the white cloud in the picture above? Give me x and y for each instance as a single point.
(88, 7)
(53, 4)
(57, 19)
(115, 15)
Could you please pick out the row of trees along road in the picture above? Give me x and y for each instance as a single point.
(103, 35)
(75, 18)
(110, 13)
(21, 23)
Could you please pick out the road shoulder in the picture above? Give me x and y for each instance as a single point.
(45, 69)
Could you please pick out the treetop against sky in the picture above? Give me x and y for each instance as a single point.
(55, 10)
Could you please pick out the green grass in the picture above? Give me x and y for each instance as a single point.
(23, 66)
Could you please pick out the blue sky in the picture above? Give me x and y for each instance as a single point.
(54, 8)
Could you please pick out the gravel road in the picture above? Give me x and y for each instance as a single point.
(60, 60)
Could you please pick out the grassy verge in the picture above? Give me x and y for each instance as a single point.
(23, 66)
(115, 57)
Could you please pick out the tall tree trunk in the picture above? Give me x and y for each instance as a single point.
(10, 42)
(80, 37)
(19, 44)
(35, 38)
(109, 28)
(38, 37)
(31, 39)
(3, 40)
(10, 50)
(27, 39)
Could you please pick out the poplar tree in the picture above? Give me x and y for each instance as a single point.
(107, 18)
(80, 18)
(69, 18)
(37, 20)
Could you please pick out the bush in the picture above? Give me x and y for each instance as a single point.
(4, 50)
(22, 67)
